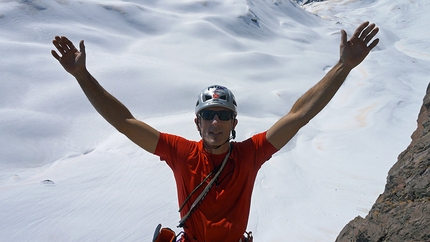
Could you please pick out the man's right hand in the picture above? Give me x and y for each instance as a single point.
(107, 105)
(72, 60)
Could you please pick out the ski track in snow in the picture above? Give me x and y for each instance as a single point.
(66, 175)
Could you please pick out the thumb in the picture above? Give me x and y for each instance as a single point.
(82, 47)
(343, 37)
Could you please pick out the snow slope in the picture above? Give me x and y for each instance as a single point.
(66, 175)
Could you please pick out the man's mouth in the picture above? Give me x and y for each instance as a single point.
(215, 133)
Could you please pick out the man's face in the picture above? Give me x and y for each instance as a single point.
(214, 130)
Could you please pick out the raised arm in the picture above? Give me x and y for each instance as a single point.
(107, 105)
(352, 53)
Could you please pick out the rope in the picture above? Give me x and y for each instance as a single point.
(204, 192)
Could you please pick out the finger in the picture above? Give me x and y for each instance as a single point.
(82, 47)
(55, 55)
(66, 44)
(61, 44)
(69, 45)
(343, 37)
(366, 31)
(56, 43)
(360, 29)
(371, 35)
(373, 44)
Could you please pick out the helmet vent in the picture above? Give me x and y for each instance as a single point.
(216, 96)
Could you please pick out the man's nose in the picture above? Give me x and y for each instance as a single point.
(215, 119)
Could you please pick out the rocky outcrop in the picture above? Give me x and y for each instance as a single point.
(402, 212)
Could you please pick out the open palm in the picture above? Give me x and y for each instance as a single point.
(70, 58)
(353, 51)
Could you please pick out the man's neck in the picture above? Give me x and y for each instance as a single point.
(216, 150)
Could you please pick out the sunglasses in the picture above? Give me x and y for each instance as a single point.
(223, 115)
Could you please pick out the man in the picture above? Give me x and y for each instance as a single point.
(228, 167)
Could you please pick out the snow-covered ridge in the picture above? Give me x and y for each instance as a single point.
(66, 175)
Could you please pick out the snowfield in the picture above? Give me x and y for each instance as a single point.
(67, 175)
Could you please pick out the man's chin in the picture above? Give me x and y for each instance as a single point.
(215, 143)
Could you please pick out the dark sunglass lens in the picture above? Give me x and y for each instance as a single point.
(222, 115)
(225, 115)
(207, 114)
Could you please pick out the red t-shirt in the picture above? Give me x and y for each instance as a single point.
(223, 214)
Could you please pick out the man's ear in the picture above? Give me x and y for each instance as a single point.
(233, 131)
(235, 122)
(197, 122)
